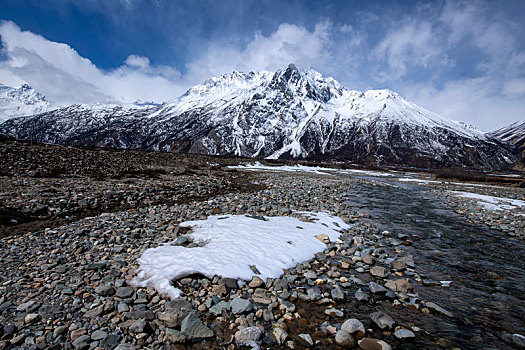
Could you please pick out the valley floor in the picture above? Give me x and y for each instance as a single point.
(424, 264)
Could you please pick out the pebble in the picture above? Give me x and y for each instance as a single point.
(279, 335)
(354, 327)
(344, 339)
(373, 344)
(307, 339)
(239, 306)
(106, 246)
(382, 320)
(403, 333)
(193, 328)
(247, 336)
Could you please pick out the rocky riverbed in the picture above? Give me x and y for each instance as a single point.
(65, 281)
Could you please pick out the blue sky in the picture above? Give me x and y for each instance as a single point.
(464, 60)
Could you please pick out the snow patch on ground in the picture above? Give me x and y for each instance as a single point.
(286, 168)
(491, 202)
(230, 244)
(365, 172)
(446, 183)
(308, 169)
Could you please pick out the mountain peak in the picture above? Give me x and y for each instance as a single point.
(283, 114)
(22, 101)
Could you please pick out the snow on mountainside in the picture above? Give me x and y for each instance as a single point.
(514, 133)
(22, 101)
(283, 114)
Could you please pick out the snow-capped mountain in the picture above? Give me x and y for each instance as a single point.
(22, 101)
(514, 133)
(283, 114)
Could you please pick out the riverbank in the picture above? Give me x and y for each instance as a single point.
(69, 285)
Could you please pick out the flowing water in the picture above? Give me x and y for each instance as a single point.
(487, 295)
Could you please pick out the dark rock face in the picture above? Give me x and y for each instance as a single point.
(287, 114)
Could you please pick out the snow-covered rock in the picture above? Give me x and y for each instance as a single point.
(22, 101)
(283, 114)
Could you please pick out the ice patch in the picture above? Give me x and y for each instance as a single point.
(286, 168)
(308, 169)
(446, 183)
(233, 243)
(491, 202)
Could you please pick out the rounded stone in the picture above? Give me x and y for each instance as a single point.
(344, 339)
(373, 344)
(247, 335)
(403, 333)
(354, 327)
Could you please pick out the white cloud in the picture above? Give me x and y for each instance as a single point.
(65, 77)
(288, 44)
(462, 60)
(137, 61)
(411, 44)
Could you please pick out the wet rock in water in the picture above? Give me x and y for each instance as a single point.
(306, 340)
(354, 327)
(361, 296)
(239, 306)
(344, 339)
(403, 333)
(280, 335)
(373, 344)
(247, 336)
(105, 290)
(379, 271)
(193, 328)
(382, 320)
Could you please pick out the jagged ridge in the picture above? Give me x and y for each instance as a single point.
(22, 101)
(283, 114)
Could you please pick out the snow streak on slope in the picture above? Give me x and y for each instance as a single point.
(283, 114)
(514, 133)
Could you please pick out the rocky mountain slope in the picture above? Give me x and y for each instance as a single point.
(514, 133)
(283, 114)
(22, 101)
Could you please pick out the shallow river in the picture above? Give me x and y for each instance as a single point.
(487, 268)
